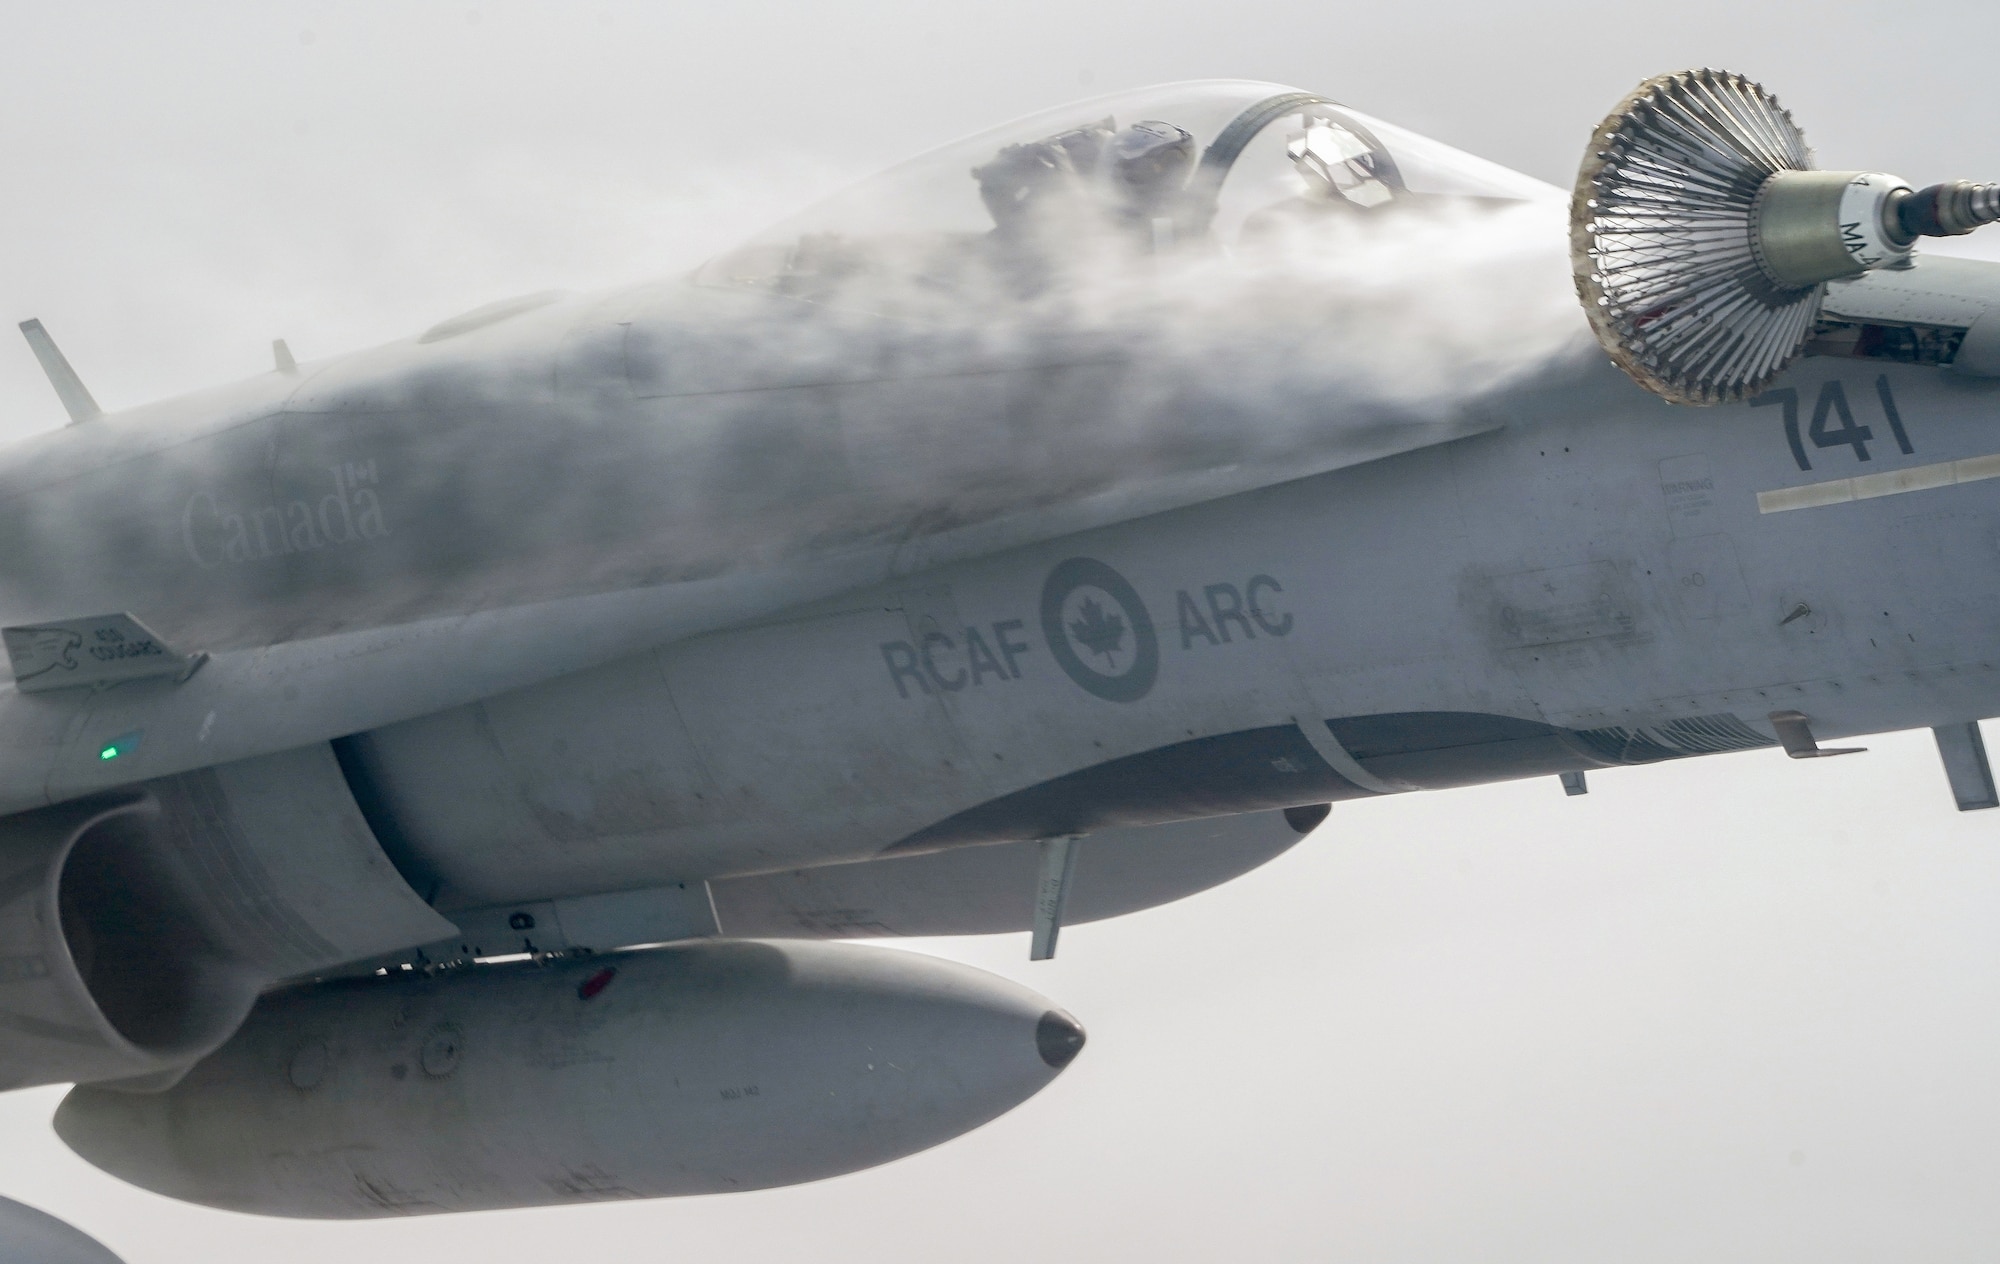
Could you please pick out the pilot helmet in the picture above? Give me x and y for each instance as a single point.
(1148, 165)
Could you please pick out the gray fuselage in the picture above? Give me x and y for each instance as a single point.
(804, 603)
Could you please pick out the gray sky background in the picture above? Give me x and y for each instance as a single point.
(1736, 1009)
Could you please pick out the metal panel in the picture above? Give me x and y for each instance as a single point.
(990, 890)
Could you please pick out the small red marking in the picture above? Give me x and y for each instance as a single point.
(597, 983)
(1646, 318)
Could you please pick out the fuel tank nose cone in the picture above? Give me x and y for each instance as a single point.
(1058, 1038)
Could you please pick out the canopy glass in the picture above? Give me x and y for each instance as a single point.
(1206, 165)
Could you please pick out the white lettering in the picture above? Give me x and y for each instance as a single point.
(216, 532)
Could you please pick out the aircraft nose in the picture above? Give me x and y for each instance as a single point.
(1058, 1038)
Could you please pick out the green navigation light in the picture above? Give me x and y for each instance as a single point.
(120, 746)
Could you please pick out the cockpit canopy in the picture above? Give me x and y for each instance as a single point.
(1208, 165)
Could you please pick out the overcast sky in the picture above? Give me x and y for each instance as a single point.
(1738, 1009)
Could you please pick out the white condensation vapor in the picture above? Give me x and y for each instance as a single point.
(1088, 366)
(1422, 311)
(1420, 308)
(954, 394)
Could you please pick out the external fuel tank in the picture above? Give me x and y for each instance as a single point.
(693, 1069)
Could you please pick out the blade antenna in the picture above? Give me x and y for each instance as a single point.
(69, 387)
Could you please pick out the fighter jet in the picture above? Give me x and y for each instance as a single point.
(433, 775)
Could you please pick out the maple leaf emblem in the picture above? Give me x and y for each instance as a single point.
(1096, 630)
